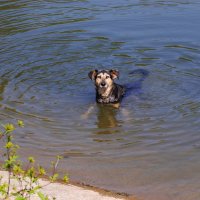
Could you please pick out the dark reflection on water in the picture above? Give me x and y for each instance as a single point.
(3, 84)
(148, 147)
(106, 120)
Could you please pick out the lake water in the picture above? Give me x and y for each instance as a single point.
(150, 147)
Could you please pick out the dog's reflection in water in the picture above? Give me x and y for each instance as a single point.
(3, 84)
(107, 117)
(107, 121)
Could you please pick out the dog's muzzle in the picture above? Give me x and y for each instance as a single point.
(103, 84)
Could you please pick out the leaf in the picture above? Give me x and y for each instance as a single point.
(41, 170)
(31, 159)
(42, 196)
(66, 178)
(20, 123)
(8, 145)
(9, 127)
(20, 198)
(3, 188)
(54, 177)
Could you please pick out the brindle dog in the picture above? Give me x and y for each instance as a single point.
(107, 91)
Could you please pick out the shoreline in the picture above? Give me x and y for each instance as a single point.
(74, 191)
(102, 191)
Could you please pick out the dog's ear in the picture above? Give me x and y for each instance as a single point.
(92, 74)
(114, 73)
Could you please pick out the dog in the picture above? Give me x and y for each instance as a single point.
(107, 91)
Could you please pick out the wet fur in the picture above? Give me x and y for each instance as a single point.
(107, 91)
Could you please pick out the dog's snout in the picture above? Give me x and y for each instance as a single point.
(103, 84)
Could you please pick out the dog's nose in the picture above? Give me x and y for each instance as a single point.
(103, 84)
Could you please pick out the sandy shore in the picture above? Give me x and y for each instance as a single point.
(72, 192)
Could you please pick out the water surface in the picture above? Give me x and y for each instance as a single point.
(150, 147)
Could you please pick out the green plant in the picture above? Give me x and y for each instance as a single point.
(26, 177)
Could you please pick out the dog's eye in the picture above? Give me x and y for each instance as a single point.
(99, 77)
(107, 77)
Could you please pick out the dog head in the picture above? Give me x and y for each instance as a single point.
(103, 80)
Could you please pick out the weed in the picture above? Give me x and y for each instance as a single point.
(26, 177)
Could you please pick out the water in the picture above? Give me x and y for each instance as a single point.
(150, 147)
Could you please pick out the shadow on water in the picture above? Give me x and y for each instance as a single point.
(135, 87)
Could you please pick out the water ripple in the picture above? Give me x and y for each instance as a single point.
(47, 50)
